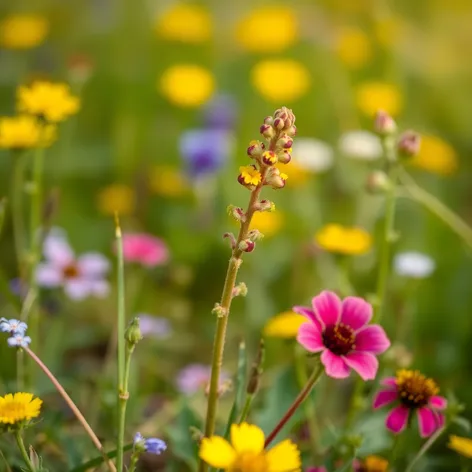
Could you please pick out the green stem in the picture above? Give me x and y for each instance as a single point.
(133, 462)
(24, 453)
(246, 408)
(20, 370)
(425, 448)
(394, 449)
(315, 376)
(309, 407)
(354, 404)
(123, 358)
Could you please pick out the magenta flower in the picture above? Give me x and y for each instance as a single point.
(79, 276)
(338, 330)
(414, 393)
(144, 249)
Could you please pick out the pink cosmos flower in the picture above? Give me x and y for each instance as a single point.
(339, 330)
(80, 276)
(144, 249)
(413, 393)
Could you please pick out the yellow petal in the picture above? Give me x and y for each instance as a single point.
(217, 452)
(461, 445)
(247, 438)
(285, 457)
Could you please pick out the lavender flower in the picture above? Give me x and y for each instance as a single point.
(13, 326)
(18, 340)
(154, 326)
(195, 377)
(151, 445)
(220, 112)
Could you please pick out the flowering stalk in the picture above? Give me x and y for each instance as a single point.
(315, 376)
(426, 446)
(73, 407)
(24, 453)
(279, 131)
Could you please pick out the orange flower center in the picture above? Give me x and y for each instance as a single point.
(339, 338)
(415, 389)
(71, 271)
(250, 462)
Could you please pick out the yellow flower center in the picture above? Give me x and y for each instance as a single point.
(250, 175)
(415, 389)
(250, 462)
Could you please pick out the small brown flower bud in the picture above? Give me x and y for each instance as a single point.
(285, 156)
(133, 333)
(269, 158)
(409, 144)
(269, 120)
(236, 212)
(255, 149)
(265, 205)
(247, 245)
(267, 131)
(279, 124)
(255, 235)
(377, 182)
(240, 290)
(284, 142)
(384, 124)
(275, 178)
(256, 370)
(292, 131)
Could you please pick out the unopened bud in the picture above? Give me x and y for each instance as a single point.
(377, 182)
(34, 458)
(275, 178)
(255, 235)
(80, 68)
(236, 212)
(256, 370)
(196, 434)
(232, 239)
(265, 205)
(240, 290)
(286, 115)
(279, 124)
(224, 387)
(267, 131)
(133, 333)
(409, 144)
(247, 245)
(219, 311)
(292, 131)
(255, 149)
(384, 124)
(284, 142)
(285, 156)
(269, 120)
(269, 158)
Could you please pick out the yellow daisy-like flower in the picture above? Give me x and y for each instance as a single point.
(374, 464)
(18, 407)
(353, 47)
(250, 175)
(463, 446)
(436, 156)
(280, 80)
(246, 452)
(374, 96)
(23, 31)
(270, 28)
(51, 101)
(284, 325)
(267, 222)
(167, 181)
(116, 198)
(187, 85)
(25, 132)
(185, 23)
(344, 240)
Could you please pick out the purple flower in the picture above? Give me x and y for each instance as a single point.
(18, 340)
(151, 445)
(13, 326)
(220, 112)
(205, 151)
(195, 377)
(80, 276)
(154, 326)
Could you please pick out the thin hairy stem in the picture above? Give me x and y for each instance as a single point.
(24, 453)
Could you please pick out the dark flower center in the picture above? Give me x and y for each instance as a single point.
(414, 389)
(339, 338)
(71, 271)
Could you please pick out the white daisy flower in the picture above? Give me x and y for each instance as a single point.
(312, 154)
(414, 264)
(362, 145)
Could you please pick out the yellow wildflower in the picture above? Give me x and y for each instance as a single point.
(280, 80)
(249, 175)
(461, 445)
(246, 452)
(436, 156)
(270, 28)
(187, 85)
(18, 407)
(267, 222)
(25, 132)
(185, 23)
(51, 101)
(374, 464)
(167, 181)
(298, 175)
(353, 47)
(343, 240)
(23, 31)
(373, 96)
(284, 325)
(116, 198)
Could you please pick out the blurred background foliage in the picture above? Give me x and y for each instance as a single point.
(147, 73)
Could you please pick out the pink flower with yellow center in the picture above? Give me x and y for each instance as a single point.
(339, 330)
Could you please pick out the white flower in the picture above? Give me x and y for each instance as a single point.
(81, 277)
(154, 326)
(312, 154)
(362, 145)
(414, 264)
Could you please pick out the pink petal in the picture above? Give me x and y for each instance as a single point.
(426, 422)
(440, 419)
(93, 263)
(308, 313)
(384, 397)
(372, 339)
(77, 289)
(57, 251)
(356, 312)
(334, 365)
(48, 275)
(100, 288)
(397, 419)
(309, 336)
(327, 307)
(389, 382)
(438, 402)
(364, 363)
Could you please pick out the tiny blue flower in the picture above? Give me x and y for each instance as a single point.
(151, 445)
(138, 438)
(18, 340)
(13, 326)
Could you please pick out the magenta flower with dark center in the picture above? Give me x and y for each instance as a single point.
(339, 330)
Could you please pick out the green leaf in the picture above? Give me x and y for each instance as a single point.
(3, 208)
(98, 460)
(462, 422)
(241, 382)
